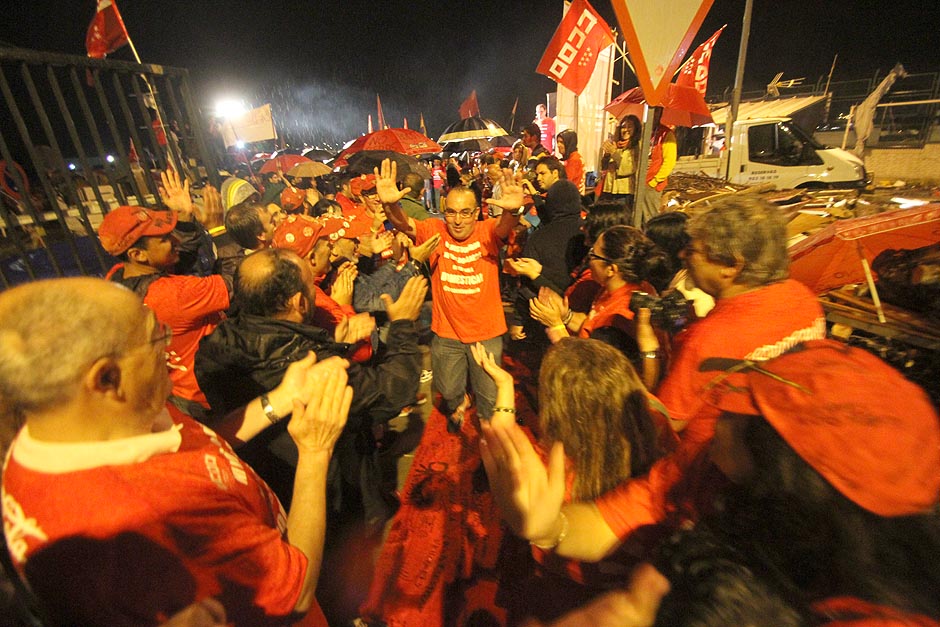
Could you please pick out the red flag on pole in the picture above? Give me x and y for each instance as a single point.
(694, 72)
(132, 152)
(424, 130)
(106, 33)
(381, 119)
(406, 123)
(469, 107)
(572, 53)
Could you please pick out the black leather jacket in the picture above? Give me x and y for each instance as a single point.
(247, 355)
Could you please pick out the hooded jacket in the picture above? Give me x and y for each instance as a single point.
(557, 244)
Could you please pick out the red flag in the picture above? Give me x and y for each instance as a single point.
(694, 72)
(469, 107)
(381, 119)
(424, 130)
(406, 123)
(572, 53)
(132, 152)
(106, 33)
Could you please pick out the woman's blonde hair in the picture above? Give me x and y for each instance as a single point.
(591, 400)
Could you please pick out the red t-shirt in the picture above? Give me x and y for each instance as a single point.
(192, 307)
(130, 531)
(610, 309)
(757, 325)
(547, 128)
(465, 282)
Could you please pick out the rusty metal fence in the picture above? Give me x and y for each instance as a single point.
(81, 136)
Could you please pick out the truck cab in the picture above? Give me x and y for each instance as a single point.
(776, 150)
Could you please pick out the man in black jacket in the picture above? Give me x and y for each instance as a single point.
(247, 355)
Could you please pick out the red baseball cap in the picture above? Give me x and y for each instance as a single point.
(292, 198)
(300, 233)
(123, 226)
(362, 183)
(871, 433)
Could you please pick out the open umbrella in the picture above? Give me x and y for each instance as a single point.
(682, 106)
(365, 161)
(286, 162)
(401, 140)
(318, 154)
(473, 127)
(841, 253)
(309, 169)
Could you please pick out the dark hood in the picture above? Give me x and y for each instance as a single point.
(562, 200)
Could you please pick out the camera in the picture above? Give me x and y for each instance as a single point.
(670, 313)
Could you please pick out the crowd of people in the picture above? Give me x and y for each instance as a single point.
(628, 427)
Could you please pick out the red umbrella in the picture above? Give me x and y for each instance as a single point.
(401, 140)
(833, 257)
(841, 253)
(286, 162)
(682, 106)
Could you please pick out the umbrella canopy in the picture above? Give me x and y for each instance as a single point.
(401, 140)
(468, 145)
(682, 106)
(318, 154)
(310, 169)
(471, 128)
(365, 161)
(285, 161)
(833, 257)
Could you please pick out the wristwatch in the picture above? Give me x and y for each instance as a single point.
(518, 212)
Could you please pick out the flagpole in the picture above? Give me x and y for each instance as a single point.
(736, 92)
(176, 159)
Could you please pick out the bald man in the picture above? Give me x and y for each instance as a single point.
(467, 307)
(120, 510)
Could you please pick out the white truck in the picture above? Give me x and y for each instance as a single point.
(775, 150)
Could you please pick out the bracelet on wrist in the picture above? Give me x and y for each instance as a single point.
(268, 410)
(561, 535)
(650, 354)
(566, 320)
(508, 410)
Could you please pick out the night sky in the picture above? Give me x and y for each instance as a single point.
(321, 62)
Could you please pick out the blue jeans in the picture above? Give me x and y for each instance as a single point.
(452, 361)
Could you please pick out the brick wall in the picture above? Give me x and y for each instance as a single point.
(909, 164)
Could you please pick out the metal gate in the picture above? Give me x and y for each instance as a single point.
(81, 136)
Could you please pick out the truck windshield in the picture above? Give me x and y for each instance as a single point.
(781, 143)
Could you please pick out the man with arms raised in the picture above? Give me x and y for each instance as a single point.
(464, 285)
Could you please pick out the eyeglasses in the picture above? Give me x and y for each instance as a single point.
(163, 334)
(592, 255)
(451, 214)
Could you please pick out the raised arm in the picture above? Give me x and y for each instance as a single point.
(511, 202)
(390, 196)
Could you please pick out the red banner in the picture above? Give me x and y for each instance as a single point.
(470, 107)
(694, 72)
(572, 53)
(106, 33)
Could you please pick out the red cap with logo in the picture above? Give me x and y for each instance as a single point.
(292, 198)
(123, 226)
(300, 233)
(858, 422)
(362, 183)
